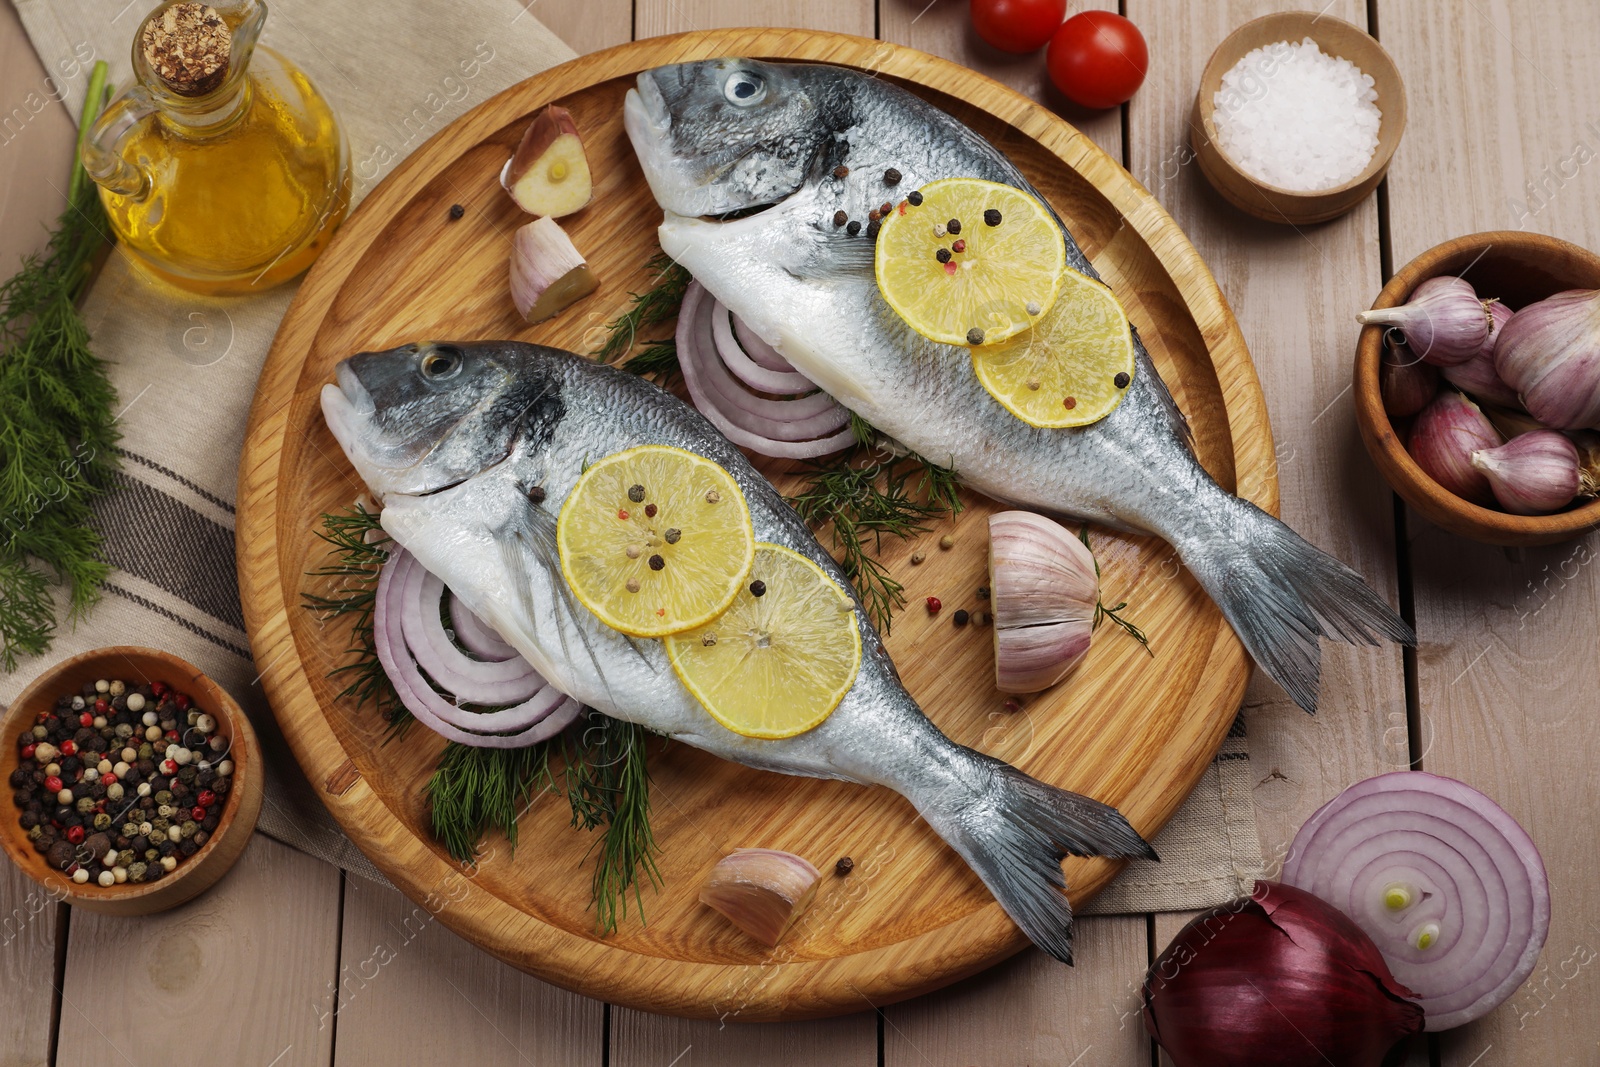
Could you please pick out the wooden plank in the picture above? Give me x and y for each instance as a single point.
(1032, 1010)
(1503, 136)
(1294, 291)
(35, 144)
(639, 1039)
(587, 26)
(944, 27)
(1028, 1009)
(396, 957)
(29, 914)
(252, 962)
(652, 18)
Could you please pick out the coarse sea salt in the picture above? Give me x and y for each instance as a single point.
(1294, 117)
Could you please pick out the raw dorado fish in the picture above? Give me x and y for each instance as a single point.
(452, 438)
(730, 136)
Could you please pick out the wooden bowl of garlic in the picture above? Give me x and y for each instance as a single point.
(1448, 433)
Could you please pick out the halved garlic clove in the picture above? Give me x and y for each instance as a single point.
(1044, 589)
(761, 891)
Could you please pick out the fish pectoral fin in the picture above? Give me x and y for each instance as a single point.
(830, 253)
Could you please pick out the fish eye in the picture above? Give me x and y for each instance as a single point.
(441, 363)
(744, 88)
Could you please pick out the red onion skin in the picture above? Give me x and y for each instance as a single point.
(1406, 383)
(1532, 474)
(1442, 440)
(1277, 979)
(1550, 354)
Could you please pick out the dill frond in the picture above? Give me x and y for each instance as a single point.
(655, 305)
(1101, 612)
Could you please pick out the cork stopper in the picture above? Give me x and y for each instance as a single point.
(187, 46)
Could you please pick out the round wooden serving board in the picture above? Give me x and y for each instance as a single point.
(1129, 729)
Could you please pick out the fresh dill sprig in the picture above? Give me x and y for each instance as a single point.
(57, 429)
(360, 548)
(865, 501)
(609, 786)
(657, 357)
(474, 789)
(655, 305)
(1101, 612)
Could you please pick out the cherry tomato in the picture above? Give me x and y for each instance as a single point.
(1017, 25)
(1097, 58)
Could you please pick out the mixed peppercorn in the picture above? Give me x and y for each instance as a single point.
(121, 783)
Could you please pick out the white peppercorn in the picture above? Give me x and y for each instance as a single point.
(169, 862)
(102, 686)
(81, 875)
(135, 702)
(117, 688)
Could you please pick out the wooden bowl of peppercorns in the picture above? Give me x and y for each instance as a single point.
(191, 794)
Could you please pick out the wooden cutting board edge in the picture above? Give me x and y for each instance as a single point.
(813, 989)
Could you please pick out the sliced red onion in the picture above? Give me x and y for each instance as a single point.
(744, 418)
(476, 636)
(1446, 883)
(546, 714)
(746, 369)
(470, 681)
(758, 349)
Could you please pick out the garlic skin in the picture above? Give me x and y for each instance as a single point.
(1533, 474)
(1405, 382)
(1442, 440)
(1477, 376)
(761, 891)
(1511, 421)
(1550, 354)
(1044, 590)
(1444, 321)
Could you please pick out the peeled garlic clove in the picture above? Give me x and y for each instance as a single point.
(1043, 590)
(761, 891)
(1443, 438)
(1406, 383)
(1444, 321)
(1477, 376)
(1533, 474)
(1550, 353)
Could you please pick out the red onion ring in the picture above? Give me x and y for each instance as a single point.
(1469, 870)
(536, 720)
(476, 636)
(756, 348)
(746, 369)
(470, 681)
(743, 418)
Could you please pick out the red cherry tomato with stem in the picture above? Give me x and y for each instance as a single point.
(1097, 59)
(1018, 25)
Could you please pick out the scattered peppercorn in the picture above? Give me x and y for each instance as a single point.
(758, 588)
(650, 511)
(942, 255)
(657, 563)
(1070, 402)
(846, 864)
(958, 246)
(954, 226)
(841, 217)
(960, 617)
(873, 227)
(975, 336)
(632, 585)
(947, 542)
(983, 618)
(983, 592)
(1012, 704)
(853, 229)
(456, 211)
(891, 177)
(934, 605)
(917, 558)
(914, 198)
(536, 494)
(841, 171)
(1121, 380)
(712, 496)
(672, 536)
(992, 217)
(636, 493)
(873, 216)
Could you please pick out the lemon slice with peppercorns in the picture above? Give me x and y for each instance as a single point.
(655, 540)
(969, 262)
(1073, 368)
(780, 659)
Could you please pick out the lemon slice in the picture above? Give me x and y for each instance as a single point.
(1073, 368)
(778, 661)
(655, 540)
(987, 278)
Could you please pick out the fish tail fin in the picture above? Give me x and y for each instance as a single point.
(1281, 594)
(1013, 830)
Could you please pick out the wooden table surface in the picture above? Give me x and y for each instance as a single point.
(288, 961)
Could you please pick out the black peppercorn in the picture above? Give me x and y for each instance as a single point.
(853, 229)
(975, 336)
(167, 848)
(636, 493)
(942, 255)
(188, 847)
(992, 217)
(873, 227)
(29, 820)
(456, 211)
(914, 198)
(954, 226)
(844, 866)
(840, 217)
(60, 855)
(657, 563)
(758, 588)
(960, 617)
(1121, 380)
(20, 799)
(536, 494)
(891, 177)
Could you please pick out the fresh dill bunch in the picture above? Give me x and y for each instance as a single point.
(655, 305)
(474, 789)
(1101, 612)
(359, 548)
(657, 357)
(608, 786)
(57, 428)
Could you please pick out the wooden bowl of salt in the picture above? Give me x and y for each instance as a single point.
(1294, 131)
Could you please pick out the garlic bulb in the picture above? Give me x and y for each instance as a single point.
(761, 891)
(1443, 438)
(1444, 321)
(1533, 474)
(1406, 383)
(1550, 353)
(1044, 589)
(1476, 376)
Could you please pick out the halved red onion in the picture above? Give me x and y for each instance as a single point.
(746, 369)
(470, 681)
(785, 429)
(543, 716)
(1444, 881)
(756, 348)
(475, 635)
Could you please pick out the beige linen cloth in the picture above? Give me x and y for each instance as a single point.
(185, 368)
